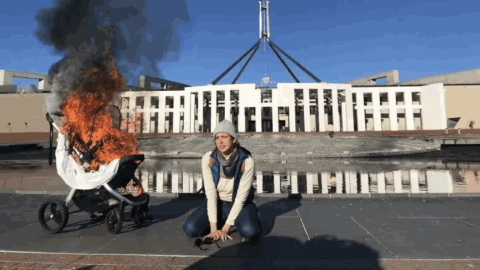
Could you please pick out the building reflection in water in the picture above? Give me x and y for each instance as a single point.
(337, 182)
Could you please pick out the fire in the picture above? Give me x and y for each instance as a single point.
(88, 121)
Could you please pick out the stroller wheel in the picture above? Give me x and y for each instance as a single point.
(53, 215)
(135, 214)
(140, 214)
(113, 220)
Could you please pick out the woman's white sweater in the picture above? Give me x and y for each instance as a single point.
(224, 189)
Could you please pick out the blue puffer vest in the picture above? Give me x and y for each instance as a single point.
(243, 155)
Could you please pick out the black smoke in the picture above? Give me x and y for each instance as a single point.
(87, 33)
(138, 34)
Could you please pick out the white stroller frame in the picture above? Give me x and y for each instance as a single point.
(70, 171)
(111, 168)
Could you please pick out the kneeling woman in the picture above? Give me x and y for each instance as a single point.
(228, 177)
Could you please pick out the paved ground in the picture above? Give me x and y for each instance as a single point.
(342, 233)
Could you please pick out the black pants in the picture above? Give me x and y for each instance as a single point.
(246, 223)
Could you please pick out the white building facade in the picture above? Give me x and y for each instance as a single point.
(292, 107)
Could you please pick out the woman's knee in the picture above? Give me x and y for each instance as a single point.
(190, 229)
(196, 223)
(248, 230)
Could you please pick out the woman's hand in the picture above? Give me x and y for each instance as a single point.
(216, 234)
(225, 237)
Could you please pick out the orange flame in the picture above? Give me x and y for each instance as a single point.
(85, 119)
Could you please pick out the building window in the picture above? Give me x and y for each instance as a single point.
(154, 102)
(416, 98)
(399, 98)
(384, 98)
(266, 111)
(125, 103)
(139, 102)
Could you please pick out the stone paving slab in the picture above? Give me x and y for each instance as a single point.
(427, 238)
(434, 207)
(134, 261)
(343, 232)
(95, 262)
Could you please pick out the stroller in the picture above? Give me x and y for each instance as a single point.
(94, 192)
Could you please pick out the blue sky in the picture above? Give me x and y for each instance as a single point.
(336, 40)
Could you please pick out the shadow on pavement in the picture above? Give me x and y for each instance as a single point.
(274, 252)
(269, 211)
(84, 224)
(169, 210)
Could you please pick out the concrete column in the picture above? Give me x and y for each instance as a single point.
(392, 111)
(176, 114)
(321, 111)
(192, 114)
(199, 181)
(156, 116)
(259, 182)
(291, 118)
(186, 182)
(161, 114)
(336, 116)
(160, 182)
(213, 120)
(414, 186)
(353, 183)
(241, 118)
(360, 112)
(191, 182)
(294, 182)
(377, 117)
(175, 181)
(145, 180)
(187, 113)
(309, 183)
(132, 113)
(324, 176)
(409, 110)
(344, 116)
(275, 117)
(306, 110)
(397, 181)
(381, 182)
(146, 114)
(258, 118)
(228, 105)
(276, 183)
(364, 188)
(349, 109)
(339, 177)
(200, 126)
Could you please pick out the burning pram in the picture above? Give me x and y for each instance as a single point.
(93, 191)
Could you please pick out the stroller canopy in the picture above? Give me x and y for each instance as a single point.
(73, 173)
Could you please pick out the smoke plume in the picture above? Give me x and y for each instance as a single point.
(86, 33)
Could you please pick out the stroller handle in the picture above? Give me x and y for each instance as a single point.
(140, 157)
(51, 122)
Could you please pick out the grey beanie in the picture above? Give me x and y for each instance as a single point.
(227, 127)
